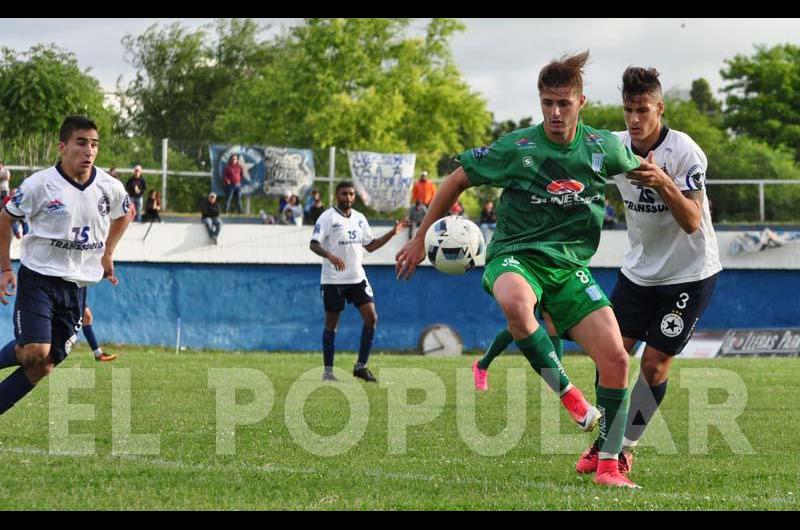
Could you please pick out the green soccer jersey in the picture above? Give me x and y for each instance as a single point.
(553, 199)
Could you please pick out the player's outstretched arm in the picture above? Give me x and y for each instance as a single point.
(115, 231)
(8, 283)
(377, 243)
(414, 252)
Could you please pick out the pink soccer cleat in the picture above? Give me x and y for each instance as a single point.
(481, 377)
(584, 414)
(608, 475)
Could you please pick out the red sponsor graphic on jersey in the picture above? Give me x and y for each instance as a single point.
(562, 186)
(55, 205)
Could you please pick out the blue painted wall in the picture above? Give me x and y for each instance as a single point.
(278, 307)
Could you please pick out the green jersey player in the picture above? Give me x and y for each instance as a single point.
(548, 227)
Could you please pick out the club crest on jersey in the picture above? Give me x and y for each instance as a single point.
(16, 200)
(104, 206)
(695, 177)
(56, 207)
(597, 161)
(594, 139)
(126, 204)
(562, 186)
(480, 152)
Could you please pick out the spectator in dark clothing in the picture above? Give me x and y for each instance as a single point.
(415, 216)
(315, 211)
(283, 201)
(488, 222)
(136, 188)
(610, 219)
(232, 179)
(153, 208)
(210, 216)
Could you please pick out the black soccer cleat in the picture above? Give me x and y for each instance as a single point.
(365, 374)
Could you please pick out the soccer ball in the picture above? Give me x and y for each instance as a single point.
(454, 245)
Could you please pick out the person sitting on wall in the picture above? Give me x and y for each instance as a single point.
(210, 217)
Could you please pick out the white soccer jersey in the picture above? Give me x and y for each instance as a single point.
(345, 238)
(69, 223)
(661, 252)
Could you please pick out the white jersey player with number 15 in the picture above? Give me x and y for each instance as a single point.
(77, 214)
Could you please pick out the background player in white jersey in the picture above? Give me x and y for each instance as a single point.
(77, 216)
(88, 332)
(339, 236)
(669, 272)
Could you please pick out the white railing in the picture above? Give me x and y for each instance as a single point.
(331, 178)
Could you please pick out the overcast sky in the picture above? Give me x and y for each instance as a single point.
(500, 58)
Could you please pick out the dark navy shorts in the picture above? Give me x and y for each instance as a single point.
(335, 296)
(48, 310)
(663, 316)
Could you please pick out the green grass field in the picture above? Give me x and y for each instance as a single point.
(272, 468)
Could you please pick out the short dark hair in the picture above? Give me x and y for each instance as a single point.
(566, 71)
(345, 184)
(637, 81)
(75, 123)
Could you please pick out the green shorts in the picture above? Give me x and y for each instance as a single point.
(568, 295)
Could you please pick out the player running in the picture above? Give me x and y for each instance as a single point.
(548, 227)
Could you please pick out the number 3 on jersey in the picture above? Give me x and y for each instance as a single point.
(81, 234)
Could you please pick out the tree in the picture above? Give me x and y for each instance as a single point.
(38, 89)
(764, 95)
(183, 79)
(504, 127)
(703, 98)
(361, 84)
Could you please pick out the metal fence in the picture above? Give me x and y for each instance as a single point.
(164, 173)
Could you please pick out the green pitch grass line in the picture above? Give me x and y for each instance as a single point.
(270, 469)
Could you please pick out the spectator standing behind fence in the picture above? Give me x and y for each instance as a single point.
(311, 198)
(610, 219)
(315, 211)
(232, 179)
(136, 188)
(5, 180)
(152, 210)
(283, 201)
(423, 190)
(292, 213)
(488, 221)
(415, 216)
(210, 215)
(113, 172)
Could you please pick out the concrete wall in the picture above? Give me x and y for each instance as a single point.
(259, 289)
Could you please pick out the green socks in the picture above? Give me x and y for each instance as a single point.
(500, 343)
(613, 403)
(503, 339)
(541, 355)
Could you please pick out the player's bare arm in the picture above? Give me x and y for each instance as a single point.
(115, 231)
(317, 249)
(413, 252)
(379, 242)
(686, 207)
(8, 283)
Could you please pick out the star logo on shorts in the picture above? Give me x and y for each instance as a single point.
(672, 325)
